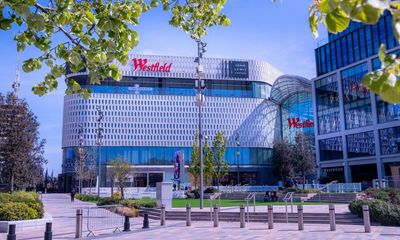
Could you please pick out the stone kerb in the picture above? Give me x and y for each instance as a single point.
(23, 224)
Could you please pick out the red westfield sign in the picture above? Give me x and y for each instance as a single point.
(143, 65)
(295, 123)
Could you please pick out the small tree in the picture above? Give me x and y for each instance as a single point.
(282, 162)
(221, 166)
(208, 162)
(194, 166)
(81, 155)
(304, 159)
(122, 168)
(112, 174)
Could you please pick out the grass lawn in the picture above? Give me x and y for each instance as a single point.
(180, 203)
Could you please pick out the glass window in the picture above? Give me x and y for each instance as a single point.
(361, 144)
(331, 149)
(327, 97)
(350, 48)
(390, 140)
(357, 100)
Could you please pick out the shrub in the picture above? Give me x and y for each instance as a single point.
(210, 190)
(117, 196)
(38, 207)
(386, 213)
(391, 195)
(107, 201)
(87, 198)
(13, 211)
(137, 204)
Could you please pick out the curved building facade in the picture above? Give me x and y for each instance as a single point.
(150, 115)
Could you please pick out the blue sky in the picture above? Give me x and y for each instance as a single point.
(277, 33)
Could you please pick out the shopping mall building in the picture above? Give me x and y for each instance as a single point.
(357, 133)
(150, 116)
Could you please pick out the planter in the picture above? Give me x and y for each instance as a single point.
(22, 224)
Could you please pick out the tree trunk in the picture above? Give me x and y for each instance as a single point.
(304, 179)
(122, 192)
(112, 187)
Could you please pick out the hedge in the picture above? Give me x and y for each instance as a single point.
(87, 198)
(386, 213)
(391, 195)
(137, 204)
(13, 211)
(20, 206)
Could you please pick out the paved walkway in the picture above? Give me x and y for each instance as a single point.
(63, 213)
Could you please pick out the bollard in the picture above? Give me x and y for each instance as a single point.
(367, 222)
(127, 224)
(48, 234)
(162, 217)
(78, 226)
(242, 217)
(300, 217)
(270, 217)
(216, 216)
(332, 217)
(146, 220)
(188, 215)
(11, 232)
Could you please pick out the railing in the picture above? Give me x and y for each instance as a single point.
(212, 198)
(236, 188)
(104, 217)
(129, 192)
(288, 197)
(251, 196)
(326, 186)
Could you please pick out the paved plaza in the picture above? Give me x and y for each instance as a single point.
(63, 213)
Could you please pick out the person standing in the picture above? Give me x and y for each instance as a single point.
(72, 195)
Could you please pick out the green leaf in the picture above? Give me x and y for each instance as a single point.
(115, 73)
(36, 21)
(382, 53)
(336, 21)
(313, 22)
(396, 23)
(366, 14)
(90, 16)
(5, 24)
(74, 58)
(328, 6)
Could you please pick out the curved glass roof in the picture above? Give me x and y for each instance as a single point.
(287, 85)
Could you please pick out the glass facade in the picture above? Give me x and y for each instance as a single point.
(390, 140)
(297, 116)
(357, 98)
(178, 87)
(360, 144)
(327, 92)
(354, 44)
(164, 155)
(357, 119)
(331, 149)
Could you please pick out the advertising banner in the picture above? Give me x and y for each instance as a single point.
(179, 166)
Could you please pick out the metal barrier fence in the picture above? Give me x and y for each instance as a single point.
(104, 217)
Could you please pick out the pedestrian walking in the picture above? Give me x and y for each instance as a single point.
(72, 195)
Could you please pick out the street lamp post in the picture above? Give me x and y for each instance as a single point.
(80, 149)
(199, 84)
(237, 140)
(99, 143)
